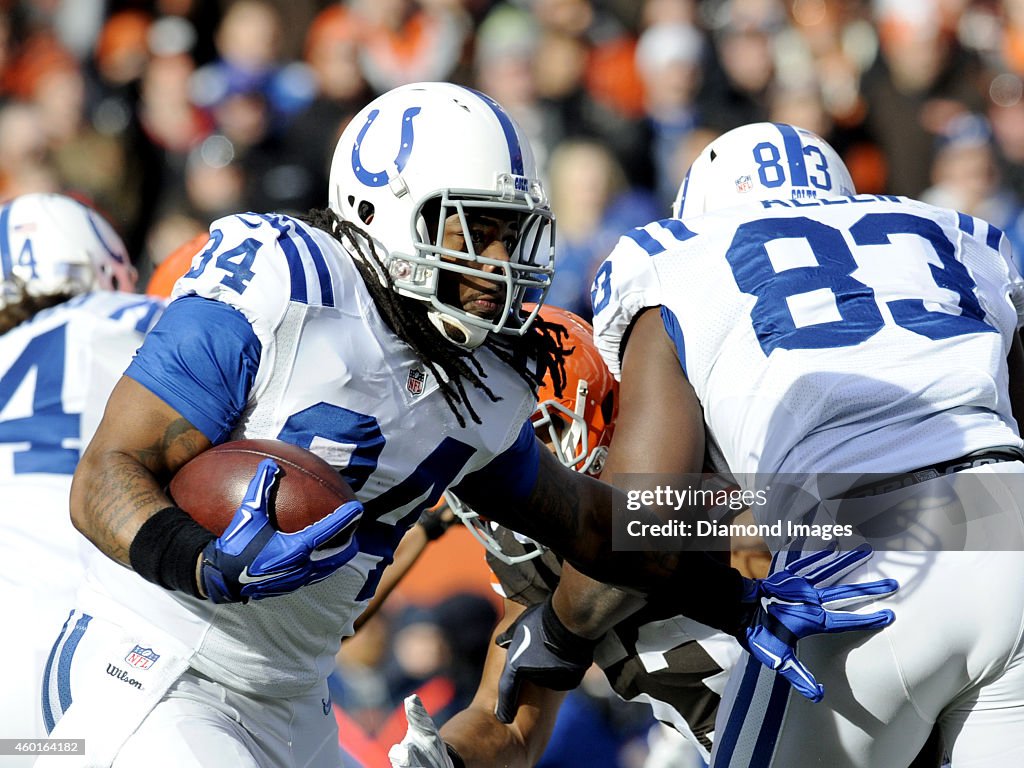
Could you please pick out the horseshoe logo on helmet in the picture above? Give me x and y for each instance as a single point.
(380, 178)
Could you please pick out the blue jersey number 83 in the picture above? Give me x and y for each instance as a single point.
(859, 316)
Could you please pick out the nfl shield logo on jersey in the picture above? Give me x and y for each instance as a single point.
(744, 184)
(142, 658)
(415, 381)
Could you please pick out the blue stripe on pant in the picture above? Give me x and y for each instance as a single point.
(59, 664)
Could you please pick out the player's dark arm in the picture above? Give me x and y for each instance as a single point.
(572, 513)
(480, 738)
(647, 440)
(119, 482)
(1015, 365)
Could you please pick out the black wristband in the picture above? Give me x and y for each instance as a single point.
(454, 756)
(568, 644)
(166, 548)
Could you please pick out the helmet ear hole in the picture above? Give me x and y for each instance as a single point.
(608, 407)
(365, 211)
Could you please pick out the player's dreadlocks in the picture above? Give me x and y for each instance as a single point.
(451, 365)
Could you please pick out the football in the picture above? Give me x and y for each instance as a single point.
(211, 486)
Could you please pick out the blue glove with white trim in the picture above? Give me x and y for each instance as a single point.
(797, 602)
(253, 560)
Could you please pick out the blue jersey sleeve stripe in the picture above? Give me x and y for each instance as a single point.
(671, 323)
(995, 234)
(296, 270)
(6, 267)
(794, 155)
(965, 222)
(677, 229)
(515, 150)
(204, 376)
(513, 473)
(643, 238)
(320, 263)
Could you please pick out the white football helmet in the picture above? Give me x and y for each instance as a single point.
(576, 425)
(52, 244)
(761, 161)
(435, 150)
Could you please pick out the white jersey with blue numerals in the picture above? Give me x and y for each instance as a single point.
(56, 372)
(310, 361)
(859, 334)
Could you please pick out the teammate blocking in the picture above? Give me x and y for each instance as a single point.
(868, 344)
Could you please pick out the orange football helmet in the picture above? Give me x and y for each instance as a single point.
(577, 425)
(177, 263)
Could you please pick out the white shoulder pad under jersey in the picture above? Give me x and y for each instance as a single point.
(259, 263)
(627, 282)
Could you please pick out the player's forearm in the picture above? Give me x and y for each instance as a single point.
(112, 495)
(483, 742)
(590, 608)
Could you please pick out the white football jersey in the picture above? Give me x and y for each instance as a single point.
(333, 378)
(56, 372)
(863, 334)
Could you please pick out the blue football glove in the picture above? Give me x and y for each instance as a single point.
(253, 560)
(798, 601)
(540, 649)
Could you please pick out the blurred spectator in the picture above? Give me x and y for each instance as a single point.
(249, 67)
(172, 127)
(1006, 115)
(359, 687)
(24, 158)
(744, 34)
(332, 53)
(922, 78)
(504, 68)
(965, 177)
(594, 205)
(409, 42)
(669, 59)
(447, 641)
(570, 91)
(654, 12)
(215, 181)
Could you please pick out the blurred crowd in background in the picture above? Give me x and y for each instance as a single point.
(166, 114)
